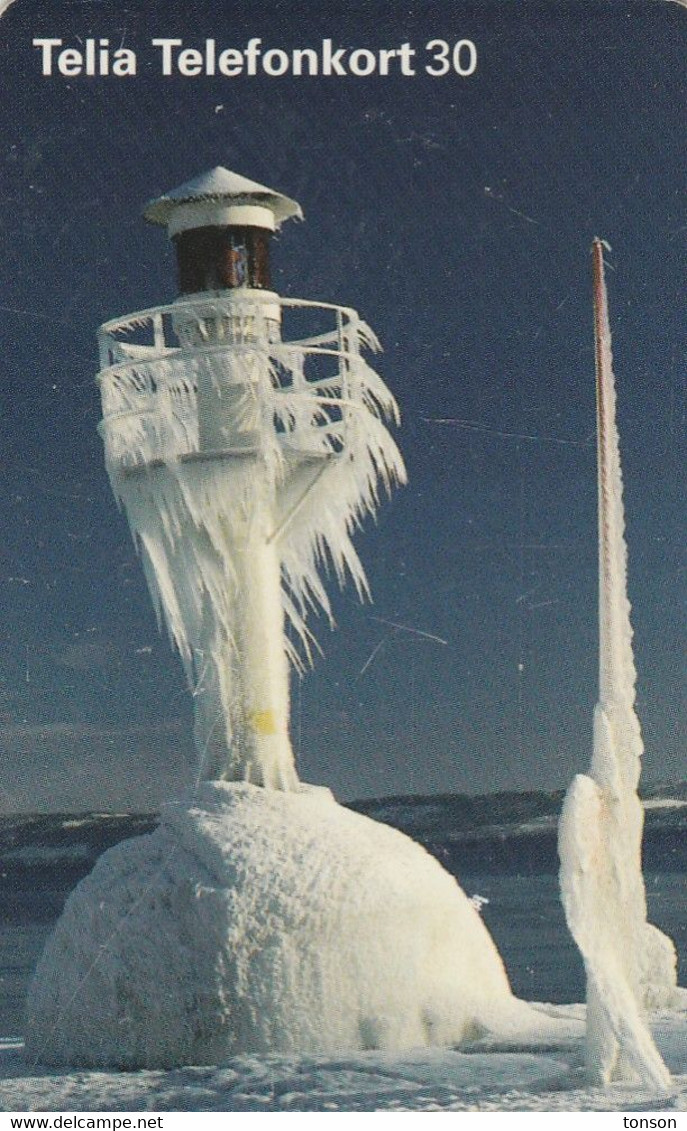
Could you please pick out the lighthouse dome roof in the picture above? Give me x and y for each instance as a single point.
(220, 185)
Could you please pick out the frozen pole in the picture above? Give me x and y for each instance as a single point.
(629, 964)
(617, 675)
(244, 463)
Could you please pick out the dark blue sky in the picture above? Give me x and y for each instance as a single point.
(456, 214)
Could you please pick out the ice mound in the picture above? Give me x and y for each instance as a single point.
(259, 921)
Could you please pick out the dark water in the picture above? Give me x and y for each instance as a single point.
(20, 949)
(525, 918)
(523, 914)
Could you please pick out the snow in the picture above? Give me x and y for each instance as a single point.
(267, 922)
(221, 184)
(244, 476)
(307, 953)
(499, 1078)
(602, 922)
(630, 965)
(664, 803)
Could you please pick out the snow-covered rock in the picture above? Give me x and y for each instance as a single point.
(260, 921)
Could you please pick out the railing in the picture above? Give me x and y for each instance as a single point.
(160, 324)
(214, 374)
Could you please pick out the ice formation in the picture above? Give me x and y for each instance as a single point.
(630, 965)
(259, 919)
(232, 545)
(244, 463)
(271, 920)
(262, 921)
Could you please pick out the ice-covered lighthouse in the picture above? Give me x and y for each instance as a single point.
(244, 456)
(254, 920)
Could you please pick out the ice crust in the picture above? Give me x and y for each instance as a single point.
(221, 184)
(265, 922)
(244, 482)
(630, 965)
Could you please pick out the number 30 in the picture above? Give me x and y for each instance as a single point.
(463, 58)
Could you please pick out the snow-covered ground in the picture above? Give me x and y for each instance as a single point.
(517, 1079)
(482, 1079)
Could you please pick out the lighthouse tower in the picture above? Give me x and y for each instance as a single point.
(244, 459)
(245, 437)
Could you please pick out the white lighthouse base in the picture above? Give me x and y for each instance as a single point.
(261, 921)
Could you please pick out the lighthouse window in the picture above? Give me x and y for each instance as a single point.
(238, 265)
(219, 258)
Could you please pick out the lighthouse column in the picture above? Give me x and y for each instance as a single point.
(241, 698)
(267, 758)
(241, 695)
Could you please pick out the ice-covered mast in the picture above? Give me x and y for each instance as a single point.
(244, 462)
(630, 965)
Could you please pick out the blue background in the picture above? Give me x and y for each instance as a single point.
(456, 214)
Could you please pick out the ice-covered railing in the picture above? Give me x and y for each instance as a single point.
(301, 395)
(217, 429)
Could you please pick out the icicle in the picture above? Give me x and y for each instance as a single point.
(244, 480)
